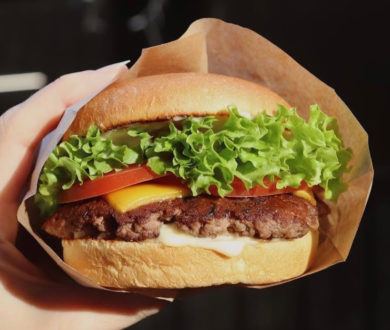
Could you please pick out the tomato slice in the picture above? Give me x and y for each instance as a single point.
(136, 174)
(109, 182)
(241, 191)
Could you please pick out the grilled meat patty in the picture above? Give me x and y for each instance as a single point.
(278, 216)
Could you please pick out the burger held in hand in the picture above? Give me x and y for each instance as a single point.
(191, 180)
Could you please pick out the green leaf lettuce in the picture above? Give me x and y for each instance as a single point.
(206, 151)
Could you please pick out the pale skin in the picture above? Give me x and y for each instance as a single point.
(30, 298)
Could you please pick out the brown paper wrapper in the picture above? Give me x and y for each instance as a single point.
(211, 45)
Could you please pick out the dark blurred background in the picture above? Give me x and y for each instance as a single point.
(344, 43)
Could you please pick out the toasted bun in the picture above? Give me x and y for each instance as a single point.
(176, 94)
(149, 264)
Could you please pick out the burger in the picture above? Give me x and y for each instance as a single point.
(191, 180)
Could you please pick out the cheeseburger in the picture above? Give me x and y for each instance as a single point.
(190, 180)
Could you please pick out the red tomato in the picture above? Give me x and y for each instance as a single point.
(136, 174)
(109, 182)
(241, 191)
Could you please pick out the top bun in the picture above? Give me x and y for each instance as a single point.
(165, 96)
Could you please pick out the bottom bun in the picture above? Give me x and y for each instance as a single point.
(150, 264)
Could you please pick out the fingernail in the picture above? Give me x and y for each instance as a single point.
(108, 67)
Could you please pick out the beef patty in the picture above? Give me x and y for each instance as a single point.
(277, 216)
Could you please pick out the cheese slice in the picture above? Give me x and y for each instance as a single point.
(308, 195)
(228, 245)
(130, 198)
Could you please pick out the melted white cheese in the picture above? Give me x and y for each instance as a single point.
(228, 245)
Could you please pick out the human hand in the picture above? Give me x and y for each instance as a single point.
(29, 299)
